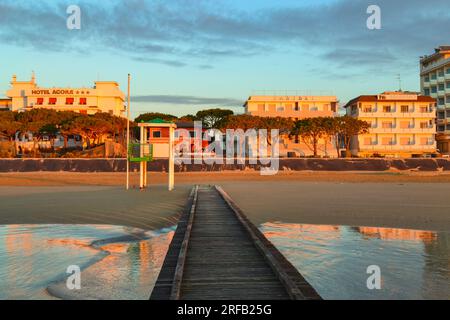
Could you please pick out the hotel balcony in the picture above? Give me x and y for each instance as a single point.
(397, 114)
(398, 147)
(412, 130)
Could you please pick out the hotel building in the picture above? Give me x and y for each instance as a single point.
(296, 108)
(402, 124)
(105, 96)
(435, 82)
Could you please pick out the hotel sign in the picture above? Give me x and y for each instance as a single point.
(397, 97)
(58, 91)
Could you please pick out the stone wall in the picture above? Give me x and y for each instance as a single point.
(119, 165)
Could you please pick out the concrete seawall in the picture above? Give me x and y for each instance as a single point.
(119, 165)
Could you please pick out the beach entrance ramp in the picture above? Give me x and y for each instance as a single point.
(218, 254)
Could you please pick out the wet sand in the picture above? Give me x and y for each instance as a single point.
(148, 210)
(423, 206)
(383, 199)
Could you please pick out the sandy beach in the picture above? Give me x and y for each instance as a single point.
(388, 199)
(92, 205)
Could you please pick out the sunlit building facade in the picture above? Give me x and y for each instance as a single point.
(435, 82)
(296, 108)
(402, 124)
(104, 96)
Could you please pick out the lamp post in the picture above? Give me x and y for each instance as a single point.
(128, 134)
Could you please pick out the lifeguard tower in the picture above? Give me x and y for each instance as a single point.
(156, 142)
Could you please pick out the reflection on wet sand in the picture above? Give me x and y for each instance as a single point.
(117, 262)
(415, 264)
(398, 234)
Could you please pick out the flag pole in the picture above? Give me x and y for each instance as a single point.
(128, 134)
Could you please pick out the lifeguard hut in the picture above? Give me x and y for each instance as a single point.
(156, 142)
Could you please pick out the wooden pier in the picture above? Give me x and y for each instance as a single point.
(218, 254)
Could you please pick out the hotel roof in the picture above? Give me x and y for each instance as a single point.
(376, 98)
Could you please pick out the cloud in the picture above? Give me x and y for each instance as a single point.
(188, 100)
(178, 33)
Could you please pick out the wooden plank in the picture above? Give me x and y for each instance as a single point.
(295, 284)
(217, 253)
(222, 261)
(163, 286)
(176, 288)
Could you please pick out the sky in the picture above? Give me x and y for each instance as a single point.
(186, 55)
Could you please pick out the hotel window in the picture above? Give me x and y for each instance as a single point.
(69, 100)
(441, 101)
(427, 92)
(440, 128)
(441, 87)
(405, 141)
(447, 99)
(387, 125)
(314, 108)
(433, 76)
(441, 73)
(52, 101)
(441, 115)
(280, 108)
(326, 107)
(297, 139)
(387, 141)
(368, 141)
(448, 85)
(367, 109)
(83, 101)
(296, 108)
(448, 70)
(40, 101)
(425, 141)
(404, 109)
(423, 109)
(156, 134)
(424, 125)
(427, 79)
(387, 109)
(404, 125)
(433, 89)
(271, 107)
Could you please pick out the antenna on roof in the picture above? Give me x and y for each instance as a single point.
(399, 78)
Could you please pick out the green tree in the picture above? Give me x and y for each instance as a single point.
(8, 125)
(246, 122)
(348, 128)
(213, 118)
(311, 130)
(188, 117)
(155, 115)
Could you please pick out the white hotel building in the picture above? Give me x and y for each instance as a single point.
(435, 82)
(105, 96)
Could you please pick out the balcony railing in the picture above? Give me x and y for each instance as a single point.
(431, 129)
(398, 147)
(397, 114)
